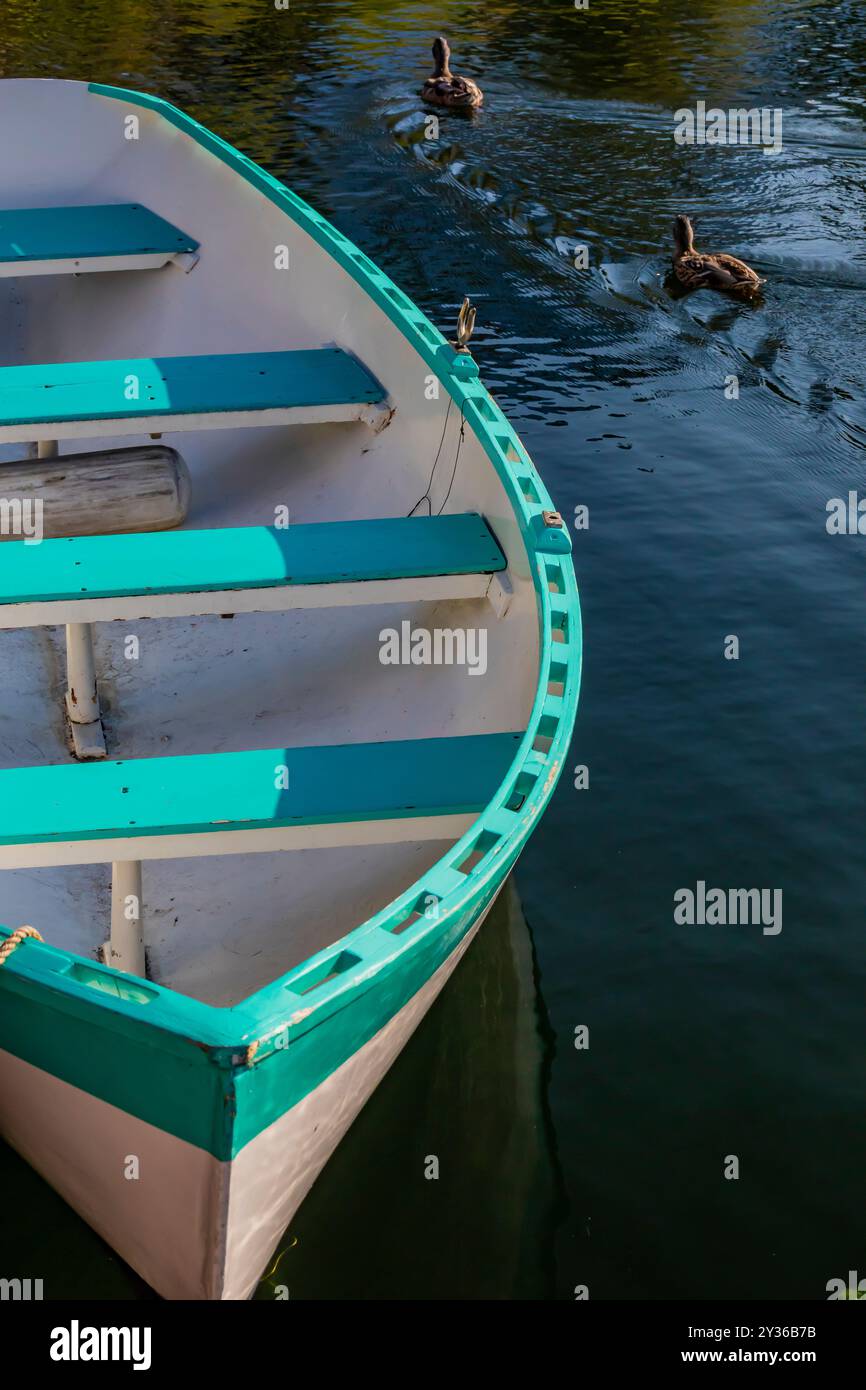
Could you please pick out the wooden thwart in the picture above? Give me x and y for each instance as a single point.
(235, 802)
(83, 239)
(248, 569)
(143, 395)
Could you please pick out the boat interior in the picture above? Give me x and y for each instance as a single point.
(149, 294)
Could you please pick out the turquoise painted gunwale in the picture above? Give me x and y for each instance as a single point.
(253, 1076)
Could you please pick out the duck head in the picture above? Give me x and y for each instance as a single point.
(441, 55)
(684, 236)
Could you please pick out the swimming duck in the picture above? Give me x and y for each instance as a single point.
(443, 88)
(698, 271)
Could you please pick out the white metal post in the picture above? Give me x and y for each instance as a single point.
(82, 701)
(125, 949)
(82, 696)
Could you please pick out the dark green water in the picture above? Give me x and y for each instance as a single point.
(707, 518)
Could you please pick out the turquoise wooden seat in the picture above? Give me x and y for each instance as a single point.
(89, 807)
(257, 557)
(176, 392)
(34, 240)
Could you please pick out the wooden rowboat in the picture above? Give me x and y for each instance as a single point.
(263, 773)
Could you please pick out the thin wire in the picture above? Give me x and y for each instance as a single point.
(426, 495)
(456, 458)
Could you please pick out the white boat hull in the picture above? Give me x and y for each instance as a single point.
(192, 1226)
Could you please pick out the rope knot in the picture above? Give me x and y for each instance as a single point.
(13, 941)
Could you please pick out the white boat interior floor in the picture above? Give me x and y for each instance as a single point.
(220, 928)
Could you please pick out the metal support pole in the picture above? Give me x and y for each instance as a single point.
(47, 449)
(125, 950)
(82, 695)
(82, 700)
